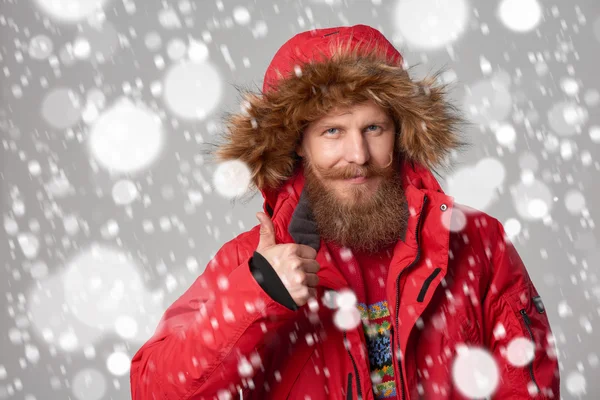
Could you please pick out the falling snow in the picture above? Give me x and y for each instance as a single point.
(111, 208)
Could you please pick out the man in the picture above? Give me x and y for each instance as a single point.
(371, 287)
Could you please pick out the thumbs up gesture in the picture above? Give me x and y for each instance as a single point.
(294, 263)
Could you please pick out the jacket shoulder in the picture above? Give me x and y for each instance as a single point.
(476, 233)
(475, 216)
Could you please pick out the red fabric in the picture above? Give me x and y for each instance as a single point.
(214, 334)
(364, 271)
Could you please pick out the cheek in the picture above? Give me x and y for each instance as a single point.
(381, 152)
(325, 156)
(383, 159)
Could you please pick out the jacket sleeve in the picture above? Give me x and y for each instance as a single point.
(513, 309)
(270, 282)
(209, 336)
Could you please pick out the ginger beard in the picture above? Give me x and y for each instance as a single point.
(367, 217)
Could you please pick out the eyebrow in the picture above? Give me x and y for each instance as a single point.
(331, 123)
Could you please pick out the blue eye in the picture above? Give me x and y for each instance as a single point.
(329, 130)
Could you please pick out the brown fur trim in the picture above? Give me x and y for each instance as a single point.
(267, 133)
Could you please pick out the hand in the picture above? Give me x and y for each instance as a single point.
(294, 263)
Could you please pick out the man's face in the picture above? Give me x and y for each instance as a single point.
(363, 215)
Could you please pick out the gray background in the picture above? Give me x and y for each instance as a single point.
(76, 194)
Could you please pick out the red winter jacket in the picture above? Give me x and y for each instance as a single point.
(463, 285)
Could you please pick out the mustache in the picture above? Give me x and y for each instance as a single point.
(367, 171)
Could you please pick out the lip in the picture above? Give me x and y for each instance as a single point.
(361, 179)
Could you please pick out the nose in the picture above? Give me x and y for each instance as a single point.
(356, 148)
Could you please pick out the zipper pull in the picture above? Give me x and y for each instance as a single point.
(525, 316)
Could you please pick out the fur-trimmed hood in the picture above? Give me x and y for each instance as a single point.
(318, 70)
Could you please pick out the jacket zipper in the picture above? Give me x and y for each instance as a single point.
(527, 325)
(350, 376)
(349, 390)
(398, 290)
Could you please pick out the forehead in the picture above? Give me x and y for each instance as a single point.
(364, 110)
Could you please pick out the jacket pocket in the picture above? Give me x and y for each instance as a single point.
(426, 284)
(528, 323)
(527, 305)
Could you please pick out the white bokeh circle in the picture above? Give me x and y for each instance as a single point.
(520, 15)
(475, 372)
(124, 192)
(487, 175)
(454, 220)
(512, 227)
(118, 363)
(533, 199)
(576, 383)
(62, 108)
(40, 47)
(126, 326)
(245, 368)
(241, 15)
(346, 299)
(126, 137)
(100, 285)
(192, 90)
(520, 351)
(346, 319)
(197, 51)
(59, 330)
(232, 178)
(431, 24)
(70, 10)
(506, 134)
